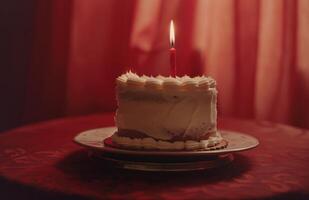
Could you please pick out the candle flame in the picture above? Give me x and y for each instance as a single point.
(172, 34)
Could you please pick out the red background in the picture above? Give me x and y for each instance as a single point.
(61, 58)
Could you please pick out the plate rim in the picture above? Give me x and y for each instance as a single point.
(178, 166)
(113, 150)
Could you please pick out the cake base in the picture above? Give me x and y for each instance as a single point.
(93, 140)
(109, 142)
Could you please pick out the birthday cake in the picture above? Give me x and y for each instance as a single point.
(166, 113)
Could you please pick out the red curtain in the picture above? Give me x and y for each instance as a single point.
(255, 49)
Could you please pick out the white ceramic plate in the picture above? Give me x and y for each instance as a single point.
(94, 138)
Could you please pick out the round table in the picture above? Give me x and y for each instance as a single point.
(40, 161)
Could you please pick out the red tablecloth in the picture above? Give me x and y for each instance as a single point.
(41, 162)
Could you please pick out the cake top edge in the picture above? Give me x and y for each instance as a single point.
(131, 78)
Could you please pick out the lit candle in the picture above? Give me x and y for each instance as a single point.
(172, 50)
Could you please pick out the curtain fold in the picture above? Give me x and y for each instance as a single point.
(256, 50)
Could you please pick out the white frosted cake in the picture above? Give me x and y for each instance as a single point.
(166, 113)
